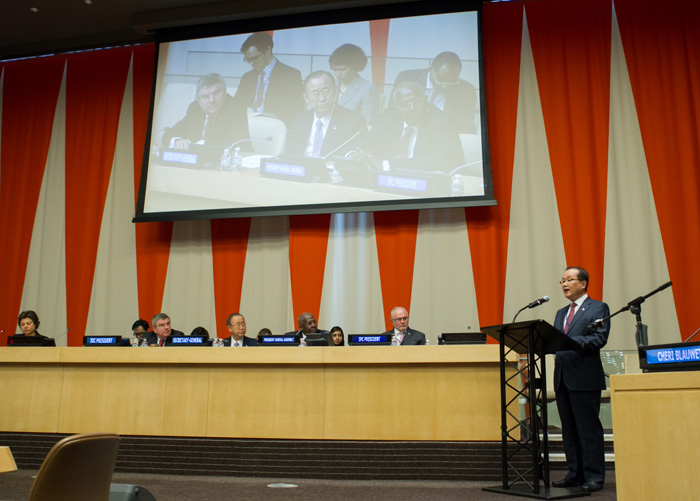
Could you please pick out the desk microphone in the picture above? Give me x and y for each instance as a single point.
(266, 139)
(355, 135)
(62, 334)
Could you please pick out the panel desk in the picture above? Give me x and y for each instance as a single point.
(348, 393)
(656, 434)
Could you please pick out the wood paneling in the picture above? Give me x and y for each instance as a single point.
(353, 393)
(655, 436)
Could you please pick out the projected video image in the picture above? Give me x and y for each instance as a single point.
(367, 115)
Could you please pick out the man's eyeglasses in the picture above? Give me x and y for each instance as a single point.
(252, 59)
(400, 319)
(325, 92)
(568, 280)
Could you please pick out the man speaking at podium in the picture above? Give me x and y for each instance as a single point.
(578, 381)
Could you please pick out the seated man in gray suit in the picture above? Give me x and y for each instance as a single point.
(324, 128)
(404, 334)
(237, 327)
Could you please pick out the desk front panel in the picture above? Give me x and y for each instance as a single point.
(656, 434)
(351, 393)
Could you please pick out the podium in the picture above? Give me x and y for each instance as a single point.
(524, 442)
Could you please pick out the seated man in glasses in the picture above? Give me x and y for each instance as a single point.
(238, 328)
(414, 135)
(402, 332)
(327, 128)
(446, 91)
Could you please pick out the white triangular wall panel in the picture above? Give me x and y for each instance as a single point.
(45, 279)
(635, 263)
(114, 299)
(536, 257)
(352, 292)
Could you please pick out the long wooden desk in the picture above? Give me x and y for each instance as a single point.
(353, 393)
(656, 434)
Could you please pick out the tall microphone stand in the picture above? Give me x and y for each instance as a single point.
(634, 306)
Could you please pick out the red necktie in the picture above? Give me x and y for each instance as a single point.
(160, 342)
(570, 317)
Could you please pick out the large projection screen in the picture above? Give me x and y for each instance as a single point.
(390, 117)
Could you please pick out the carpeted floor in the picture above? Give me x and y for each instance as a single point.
(14, 486)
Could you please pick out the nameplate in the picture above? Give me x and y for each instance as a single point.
(187, 340)
(279, 169)
(402, 183)
(102, 340)
(179, 157)
(670, 357)
(279, 341)
(369, 339)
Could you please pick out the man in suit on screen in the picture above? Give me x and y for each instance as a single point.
(271, 87)
(213, 119)
(404, 334)
(414, 135)
(446, 91)
(326, 126)
(578, 381)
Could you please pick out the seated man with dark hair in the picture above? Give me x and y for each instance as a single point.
(263, 333)
(238, 328)
(307, 326)
(414, 135)
(324, 128)
(214, 119)
(446, 91)
(140, 328)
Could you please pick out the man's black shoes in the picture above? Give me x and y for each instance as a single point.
(591, 486)
(566, 483)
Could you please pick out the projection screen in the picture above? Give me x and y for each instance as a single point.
(341, 111)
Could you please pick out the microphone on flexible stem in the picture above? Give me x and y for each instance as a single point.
(532, 305)
(691, 336)
(538, 302)
(62, 334)
(356, 134)
(266, 139)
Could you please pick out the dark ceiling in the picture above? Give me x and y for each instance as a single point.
(64, 25)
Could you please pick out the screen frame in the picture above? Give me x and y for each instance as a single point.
(309, 19)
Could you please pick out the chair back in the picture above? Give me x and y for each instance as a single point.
(77, 467)
(267, 134)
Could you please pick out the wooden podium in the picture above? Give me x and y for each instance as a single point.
(531, 340)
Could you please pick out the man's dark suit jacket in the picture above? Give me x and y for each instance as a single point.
(152, 337)
(460, 99)
(437, 146)
(285, 92)
(343, 124)
(230, 124)
(247, 341)
(582, 370)
(318, 332)
(410, 336)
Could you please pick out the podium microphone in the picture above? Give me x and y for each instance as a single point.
(532, 305)
(538, 302)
